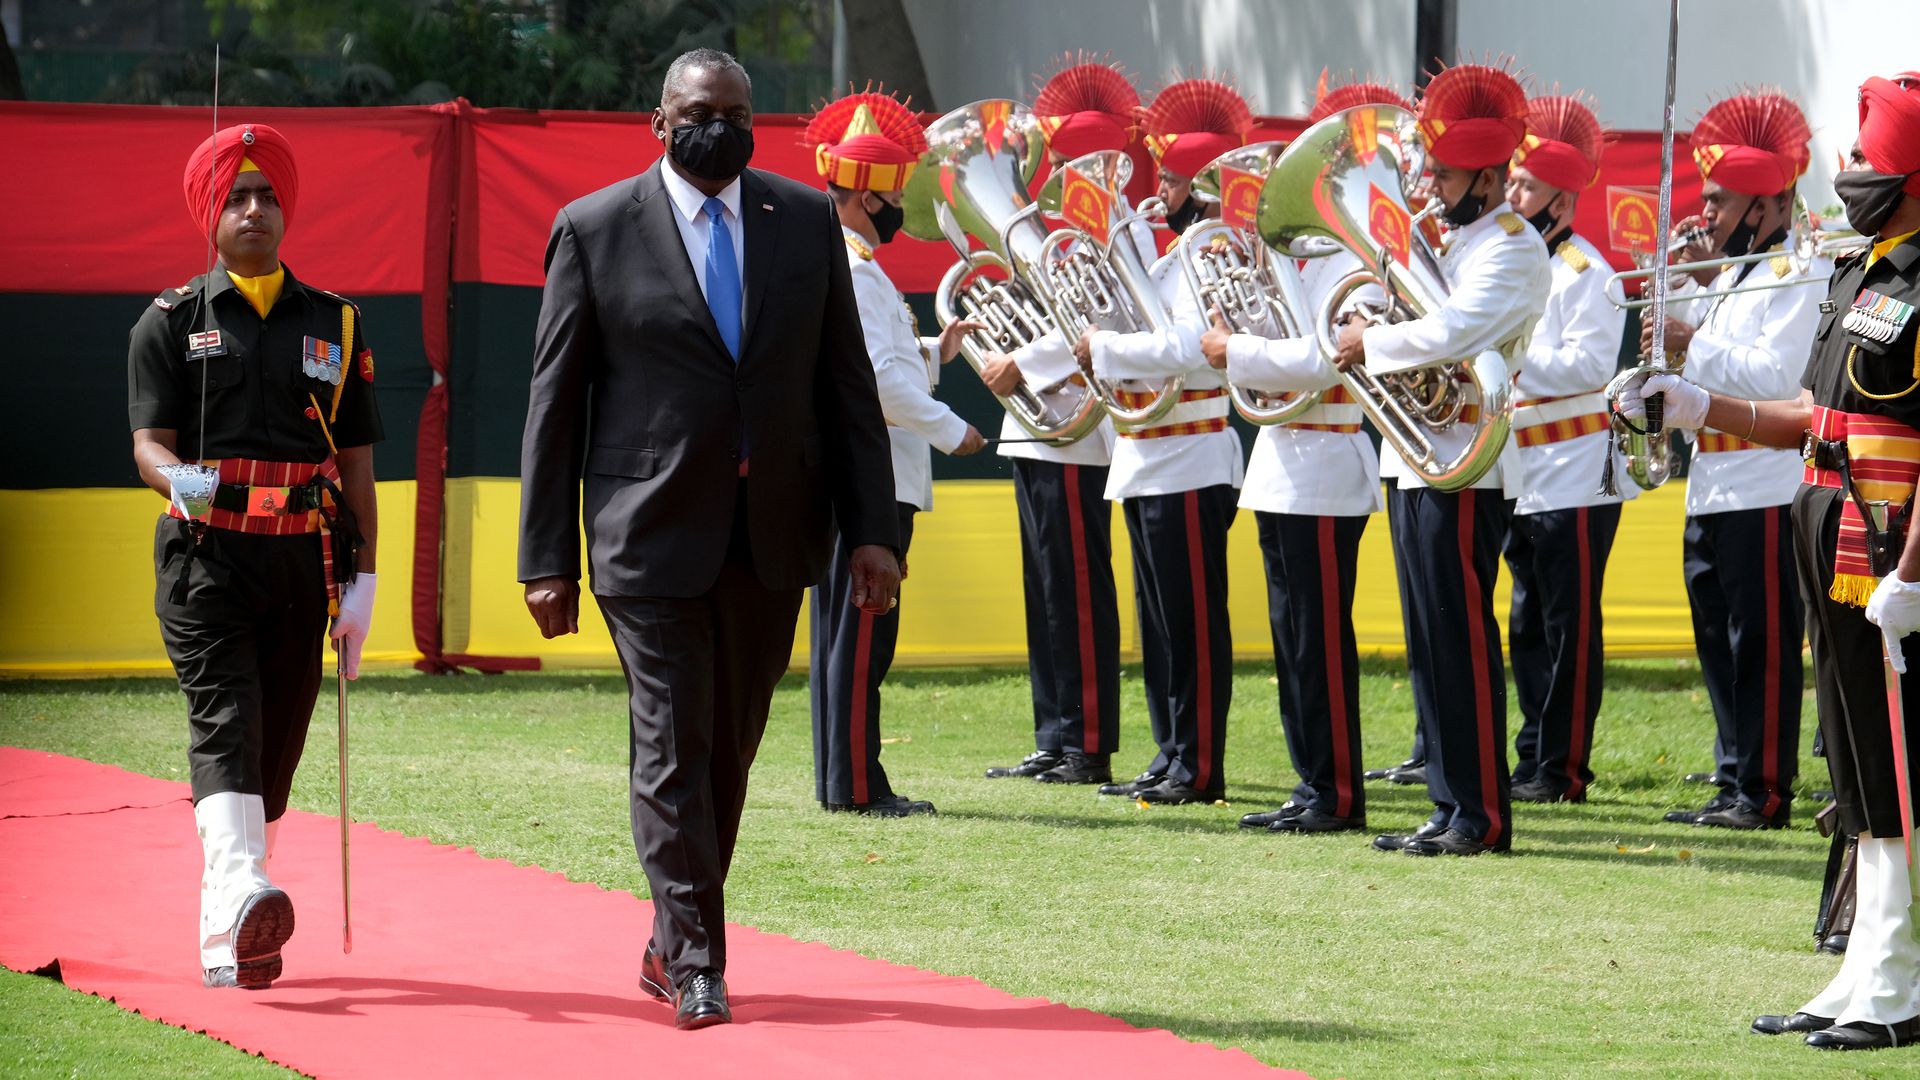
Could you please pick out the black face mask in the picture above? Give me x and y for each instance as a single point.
(714, 150)
(887, 220)
(1740, 240)
(1467, 210)
(1870, 198)
(1190, 211)
(1542, 222)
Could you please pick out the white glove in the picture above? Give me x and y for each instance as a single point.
(1686, 404)
(1895, 609)
(355, 618)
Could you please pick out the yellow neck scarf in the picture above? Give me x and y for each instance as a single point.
(1880, 249)
(261, 291)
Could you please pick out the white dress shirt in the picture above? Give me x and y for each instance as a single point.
(1043, 364)
(1295, 470)
(691, 218)
(1143, 361)
(1574, 352)
(1755, 346)
(906, 368)
(1498, 280)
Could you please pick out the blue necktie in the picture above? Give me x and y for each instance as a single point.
(723, 278)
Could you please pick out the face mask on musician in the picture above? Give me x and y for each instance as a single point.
(714, 150)
(1191, 210)
(1467, 208)
(887, 220)
(1870, 198)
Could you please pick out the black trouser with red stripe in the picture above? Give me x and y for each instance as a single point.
(851, 651)
(1747, 622)
(1559, 561)
(1311, 565)
(1073, 611)
(1180, 588)
(1448, 544)
(1421, 706)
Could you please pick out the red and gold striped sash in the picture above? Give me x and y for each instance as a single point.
(1883, 456)
(1135, 399)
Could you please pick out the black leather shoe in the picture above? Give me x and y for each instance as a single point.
(1134, 786)
(889, 806)
(1415, 773)
(1265, 818)
(264, 924)
(1171, 792)
(1543, 791)
(1078, 768)
(702, 1001)
(1822, 796)
(1399, 841)
(1387, 773)
(1310, 820)
(1833, 945)
(1775, 1024)
(1032, 765)
(1689, 817)
(1864, 1036)
(1742, 816)
(1455, 842)
(653, 975)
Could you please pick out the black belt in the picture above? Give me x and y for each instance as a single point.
(1822, 453)
(292, 499)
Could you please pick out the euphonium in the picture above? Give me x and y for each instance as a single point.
(1229, 268)
(973, 182)
(1341, 180)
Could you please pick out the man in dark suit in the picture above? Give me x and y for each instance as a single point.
(699, 359)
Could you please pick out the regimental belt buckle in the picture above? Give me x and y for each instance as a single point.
(193, 487)
(266, 501)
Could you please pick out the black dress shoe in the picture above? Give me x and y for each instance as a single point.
(1387, 773)
(1415, 773)
(1861, 1035)
(889, 806)
(1742, 816)
(1078, 768)
(1455, 842)
(264, 924)
(1134, 786)
(1265, 818)
(1543, 791)
(1032, 765)
(1833, 945)
(1822, 795)
(1310, 820)
(1171, 792)
(702, 1001)
(1689, 817)
(1775, 1024)
(1399, 841)
(653, 975)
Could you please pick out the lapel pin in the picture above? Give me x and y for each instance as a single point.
(766, 206)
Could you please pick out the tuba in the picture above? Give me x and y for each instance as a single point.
(972, 182)
(1101, 282)
(1229, 268)
(1341, 180)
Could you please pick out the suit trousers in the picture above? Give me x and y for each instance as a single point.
(245, 642)
(1554, 637)
(700, 677)
(1747, 619)
(1448, 546)
(1396, 534)
(850, 652)
(1073, 609)
(1311, 566)
(1180, 588)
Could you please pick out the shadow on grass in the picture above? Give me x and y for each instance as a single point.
(1240, 1031)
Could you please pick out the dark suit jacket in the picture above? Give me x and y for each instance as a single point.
(632, 384)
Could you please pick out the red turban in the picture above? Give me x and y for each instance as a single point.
(1890, 129)
(1327, 102)
(866, 142)
(1194, 121)
(1755, 144)
(1086, 108)
(1563, 142)
(1473, 116)
(212, 168)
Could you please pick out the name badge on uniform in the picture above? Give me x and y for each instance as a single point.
(321, 360)
(1877, 317)
(204, 344)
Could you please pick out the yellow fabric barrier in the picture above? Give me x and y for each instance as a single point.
(76, 592)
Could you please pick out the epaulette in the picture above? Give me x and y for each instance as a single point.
(332, 296)
(170, 298)
(1782, 266)
(1571, 254)
(1511, 222)
(859, 247)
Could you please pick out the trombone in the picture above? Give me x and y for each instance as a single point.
(1807, 242)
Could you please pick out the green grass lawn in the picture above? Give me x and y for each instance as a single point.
(1609, 941)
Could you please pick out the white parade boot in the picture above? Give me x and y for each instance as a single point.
(243, 919)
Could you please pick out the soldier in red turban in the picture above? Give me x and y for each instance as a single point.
(1189, 124)
(219, 161)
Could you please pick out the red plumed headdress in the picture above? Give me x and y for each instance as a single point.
(1473, 116)
(866, 141)
(1087, 106)
(1194, 121)
(1753, 143)
(1327, 102)
(1563, 143)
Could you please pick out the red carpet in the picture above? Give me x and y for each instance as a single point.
(465, 966)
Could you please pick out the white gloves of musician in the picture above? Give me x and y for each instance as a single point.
(1686, 404)
(1895, 609)
(351, 625)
